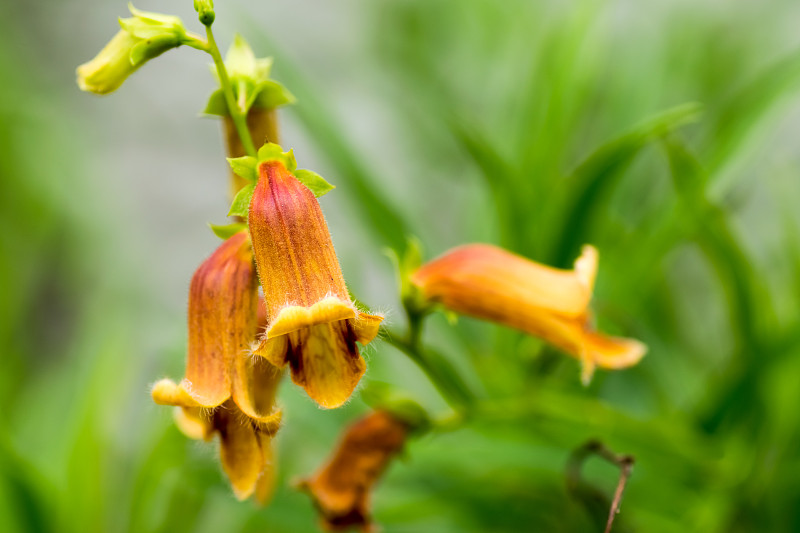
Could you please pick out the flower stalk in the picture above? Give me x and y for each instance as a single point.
(236, 114)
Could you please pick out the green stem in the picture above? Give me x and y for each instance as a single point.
(238, 117)
(439, 371)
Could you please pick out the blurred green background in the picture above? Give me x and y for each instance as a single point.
(666, 133)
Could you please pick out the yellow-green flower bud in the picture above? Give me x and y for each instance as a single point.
(205, 11)
(142, 37)
(106, 72)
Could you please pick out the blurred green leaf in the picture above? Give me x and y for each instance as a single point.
(594, 179)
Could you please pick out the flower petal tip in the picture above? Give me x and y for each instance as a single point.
(292, 318)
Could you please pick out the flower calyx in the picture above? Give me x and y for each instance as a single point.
(252, 86)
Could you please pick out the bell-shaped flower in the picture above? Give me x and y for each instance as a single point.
(313, 325)
(493, 284)
(341, 490)
(226, 389)
(142, 37)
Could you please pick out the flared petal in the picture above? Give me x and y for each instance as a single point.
(167, 392)
(240, 450)
(255, 382)
(296, 261)
(194, 422)
(485, 279)
(265, 486)
(325, 361)
(296, 317)
(366, 327)
(341, 489)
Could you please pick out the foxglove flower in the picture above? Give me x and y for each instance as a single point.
(493, 284)
(226, 390)
(313, 325)
(341, 489)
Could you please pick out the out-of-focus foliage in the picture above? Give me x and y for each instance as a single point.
(664, 133)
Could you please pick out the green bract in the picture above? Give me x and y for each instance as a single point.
(226, 231)
(313, 181)
(247, 168)
(244, 167)
(249, 78)
(241, 202)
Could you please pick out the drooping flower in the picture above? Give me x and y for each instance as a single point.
(226, 390)
(490, 283)
(142, 37)
(341, 489)
(313, 325)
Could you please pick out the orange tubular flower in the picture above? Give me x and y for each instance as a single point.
(226, 390)
(341, 489)
(488, 282)
(313, 325)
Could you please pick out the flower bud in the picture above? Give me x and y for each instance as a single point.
(142, 37)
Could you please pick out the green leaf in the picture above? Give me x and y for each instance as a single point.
(318, 185)
(216, 104)
(241, 203)
(273, 152)
(594, 179)
(244, 167)
(741, 116)
(226, 231)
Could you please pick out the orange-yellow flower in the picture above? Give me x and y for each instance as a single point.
(313, 324)
(341, 489)
(490, 283)
(226, 389)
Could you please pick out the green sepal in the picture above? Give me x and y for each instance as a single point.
(216, 104)
(226, 231)
(273, 152)
(271, 94)
(153, 47)
(244, 167)
(313, 181)
(405, 265)
(241, 202)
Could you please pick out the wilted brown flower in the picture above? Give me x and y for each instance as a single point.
(341, 489)
(313, 324)
(488, 282)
